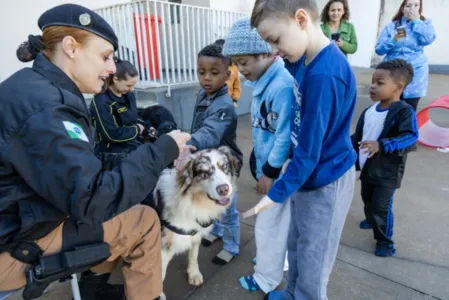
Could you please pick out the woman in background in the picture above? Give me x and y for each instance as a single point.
(405, 37)
(336, 26)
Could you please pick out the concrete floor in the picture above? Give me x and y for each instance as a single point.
(419, 271)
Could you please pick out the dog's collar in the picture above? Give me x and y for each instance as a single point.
(182, 231)
(178, 230)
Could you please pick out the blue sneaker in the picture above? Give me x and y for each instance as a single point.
(365, 225)
(249, 284)
(274, 295)
(385, 250)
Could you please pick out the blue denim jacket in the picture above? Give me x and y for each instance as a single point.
(271, 111)
(410, 48)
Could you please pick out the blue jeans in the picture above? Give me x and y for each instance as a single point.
(317, 220)
(229, 228)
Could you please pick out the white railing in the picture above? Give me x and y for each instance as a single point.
(169, 35)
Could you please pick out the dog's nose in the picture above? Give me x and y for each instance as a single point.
(223, 190)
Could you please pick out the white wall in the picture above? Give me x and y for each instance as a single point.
(365, 24)
(19, 19)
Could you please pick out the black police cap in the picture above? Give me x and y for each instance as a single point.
(72, 15)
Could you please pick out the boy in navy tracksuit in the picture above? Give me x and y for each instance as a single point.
(385, 133)
(321, 176)
(271, 108)
(214, 125)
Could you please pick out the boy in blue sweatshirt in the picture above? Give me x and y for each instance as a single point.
(321, 176)
(273, 99)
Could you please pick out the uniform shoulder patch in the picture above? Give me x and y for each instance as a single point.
(75, 131)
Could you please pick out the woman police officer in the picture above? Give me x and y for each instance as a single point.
(53, 189)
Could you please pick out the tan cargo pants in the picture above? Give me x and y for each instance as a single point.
(134, 235)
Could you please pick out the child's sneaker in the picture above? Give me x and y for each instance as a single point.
(249, 283)
(222, 258)
(365, 225)
(209, 239)
(385, 250)
(274, 295)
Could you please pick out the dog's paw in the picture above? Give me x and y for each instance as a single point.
(196, 279)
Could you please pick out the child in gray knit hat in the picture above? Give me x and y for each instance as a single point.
(273, 98)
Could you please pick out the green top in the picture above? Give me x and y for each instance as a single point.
(347, 35)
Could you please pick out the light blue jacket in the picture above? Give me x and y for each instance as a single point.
(410, 48)
(271, 111)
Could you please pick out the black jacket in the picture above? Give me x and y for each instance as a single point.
(215, 122)
(400, 134)
(48, 170)
(115, 119)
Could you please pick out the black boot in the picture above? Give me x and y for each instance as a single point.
(96, 287)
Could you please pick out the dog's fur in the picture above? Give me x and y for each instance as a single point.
(189, 200)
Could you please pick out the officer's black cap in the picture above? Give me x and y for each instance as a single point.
(72, 15)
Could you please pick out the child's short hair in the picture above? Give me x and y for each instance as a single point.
(281, 8)
(220, 42)
(399, 69)
(214, 50)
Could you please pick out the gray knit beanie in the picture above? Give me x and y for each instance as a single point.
(243, 40)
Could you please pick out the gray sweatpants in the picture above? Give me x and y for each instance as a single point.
(318, 217)
(271, 234)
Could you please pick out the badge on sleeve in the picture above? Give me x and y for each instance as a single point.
(75, 131)
(222, 116)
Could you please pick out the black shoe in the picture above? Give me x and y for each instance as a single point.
(93, 287)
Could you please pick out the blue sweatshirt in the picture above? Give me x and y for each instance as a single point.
(271, 112)
(326, 94)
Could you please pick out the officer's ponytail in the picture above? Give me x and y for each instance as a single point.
(28, 50)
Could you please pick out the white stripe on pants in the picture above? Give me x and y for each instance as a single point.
(271, 241)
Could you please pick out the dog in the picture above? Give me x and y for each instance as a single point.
(189, 201)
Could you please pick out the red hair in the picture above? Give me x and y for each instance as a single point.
(46, 43)
(400, 13)
(53, 35)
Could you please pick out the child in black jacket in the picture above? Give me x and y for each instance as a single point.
(385, 133)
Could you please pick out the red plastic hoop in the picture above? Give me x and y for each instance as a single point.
(430, 134)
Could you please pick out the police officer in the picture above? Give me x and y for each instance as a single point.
(54, 194)
(114, 112)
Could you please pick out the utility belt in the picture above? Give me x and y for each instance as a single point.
(83, 248)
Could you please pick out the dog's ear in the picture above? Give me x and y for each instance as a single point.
(234, 161)
(185, 176)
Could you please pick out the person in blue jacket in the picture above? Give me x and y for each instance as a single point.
(114, 112)
(405, 37)
(273, 98)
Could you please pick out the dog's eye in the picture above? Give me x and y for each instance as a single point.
(223, 166)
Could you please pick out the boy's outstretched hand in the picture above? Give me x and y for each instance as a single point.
(264, 185)
(372, 147)
(263, 204)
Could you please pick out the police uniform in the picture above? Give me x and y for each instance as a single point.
(54, 193)
(115, 119)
